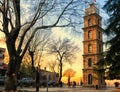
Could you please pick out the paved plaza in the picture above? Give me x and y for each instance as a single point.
(65, 89)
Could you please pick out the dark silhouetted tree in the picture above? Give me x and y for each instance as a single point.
(65, 51)
(112, 56)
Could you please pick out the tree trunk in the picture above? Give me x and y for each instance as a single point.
(68, 79)
(60, 77)
(11, 74)
(32, 57)
(10, 82)
(31, 53)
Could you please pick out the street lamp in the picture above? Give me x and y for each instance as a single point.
(37, 79)
(47, 79)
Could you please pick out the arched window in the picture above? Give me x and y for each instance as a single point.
(89, 34)
(99, 22)
(99, 34)
(89, 22)
(89, 48)
(89, 62)
(100, 48)
(89, 79)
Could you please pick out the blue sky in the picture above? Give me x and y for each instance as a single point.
(78, 65)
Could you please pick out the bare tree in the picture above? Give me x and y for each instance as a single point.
(37, 45)
(69, 73)
(17, 21)
(65, 51)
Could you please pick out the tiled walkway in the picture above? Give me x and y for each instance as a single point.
(66, 89)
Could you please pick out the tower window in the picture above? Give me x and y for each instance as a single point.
(89, 22)
(98, 22)
(89, 79)
(100, 50)
(89, 48)
(89, 34)
(99, 34)
(90, 62)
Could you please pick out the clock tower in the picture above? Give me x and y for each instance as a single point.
(92, 45)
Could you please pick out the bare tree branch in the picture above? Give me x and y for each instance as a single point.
(1, 30)
(65, 51)
(31, 24)
(5, 18)
(10, 20)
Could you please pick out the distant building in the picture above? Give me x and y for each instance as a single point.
(47, 76)
(3, 66)
(51, 75)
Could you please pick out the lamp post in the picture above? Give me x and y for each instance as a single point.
(47, 83)
(37, 79)
(47, 80)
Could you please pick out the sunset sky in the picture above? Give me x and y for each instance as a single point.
(59, 32)
(78, 65)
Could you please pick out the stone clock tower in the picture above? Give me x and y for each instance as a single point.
(92, 44)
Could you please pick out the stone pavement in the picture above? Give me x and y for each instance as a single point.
(64, 89)
(80, 89)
